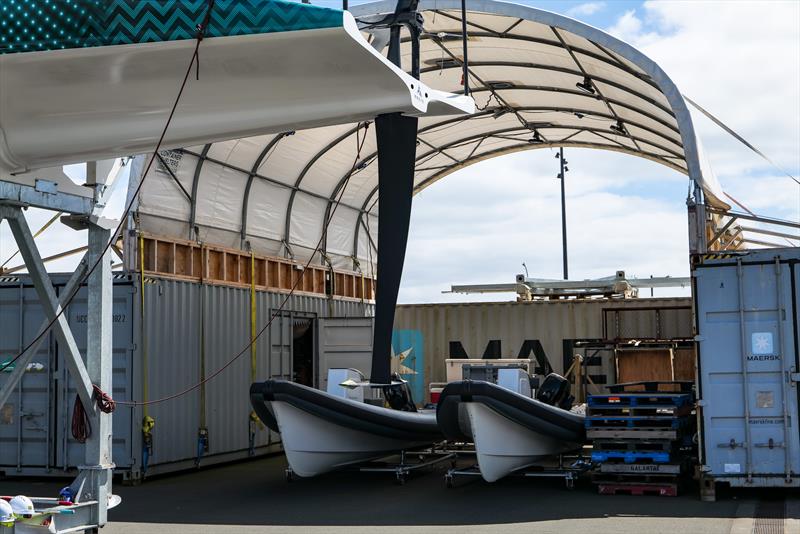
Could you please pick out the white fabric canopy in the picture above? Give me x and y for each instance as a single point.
(274, 192)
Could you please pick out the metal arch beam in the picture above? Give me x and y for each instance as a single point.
(287, 227)
(469, 72)
(604, 115)
(505, 35)
(195, 185)
(500, 152)
(359, 222)
(473, 159)
(596, 36)
(524, 129)
(261, 176)
(564, 70)
(527, 146)
(599, 92)
(537, 40)
(253, 171)
(492, 111)
(329, 206)
(547, 88)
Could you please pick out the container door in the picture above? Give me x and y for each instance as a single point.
(280, 346)
(70, 453)
(344, 342)
(26, 440)
(747, 351)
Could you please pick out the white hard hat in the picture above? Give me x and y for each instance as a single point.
(6, 512)
(22, 505)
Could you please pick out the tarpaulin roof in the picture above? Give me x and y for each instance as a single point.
(539, 80)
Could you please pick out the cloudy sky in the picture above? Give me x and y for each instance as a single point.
(738, 59)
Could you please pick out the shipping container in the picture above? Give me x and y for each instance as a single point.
(747, 333)
(188, 331)
(551, 329)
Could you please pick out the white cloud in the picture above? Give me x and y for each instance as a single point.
(586, 9)
(466, 230)
(741, 61)
(629, 28)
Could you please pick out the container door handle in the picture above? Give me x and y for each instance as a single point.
(732, 444)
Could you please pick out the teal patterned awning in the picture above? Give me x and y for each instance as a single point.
(39, 25)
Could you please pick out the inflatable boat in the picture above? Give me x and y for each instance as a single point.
(322, 432)
(510, 430)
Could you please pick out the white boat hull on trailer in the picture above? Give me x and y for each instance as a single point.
(322, 432)
(503, 446)
(510, 431)
(314, 446)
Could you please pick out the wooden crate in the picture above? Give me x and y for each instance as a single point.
(644, 364)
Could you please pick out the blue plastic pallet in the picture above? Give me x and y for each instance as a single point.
(629, 457)
(634, 422)
(641, 400)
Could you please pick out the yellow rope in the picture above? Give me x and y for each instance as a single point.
(145, 385)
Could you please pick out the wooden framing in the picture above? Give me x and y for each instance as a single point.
(197, 262)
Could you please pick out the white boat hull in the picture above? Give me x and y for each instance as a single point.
(503, 446)
(315, 446)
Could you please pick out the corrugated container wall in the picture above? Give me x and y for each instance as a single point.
(34, 424)
(748, 327)
(514, 327)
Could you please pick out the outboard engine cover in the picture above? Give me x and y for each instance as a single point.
(555, 391)
(399, 395)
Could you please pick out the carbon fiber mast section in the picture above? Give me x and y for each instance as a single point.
(397, 145)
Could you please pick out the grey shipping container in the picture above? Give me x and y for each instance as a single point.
(435, 332)
(186, 324)
(746, 309)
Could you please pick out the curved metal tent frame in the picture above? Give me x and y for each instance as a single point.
(540, 80)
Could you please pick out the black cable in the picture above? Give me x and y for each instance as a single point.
(201, 28)
(359, 146)
(465, 60)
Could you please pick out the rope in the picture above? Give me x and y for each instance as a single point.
(246, 348)
(201, 30)
(81, 424)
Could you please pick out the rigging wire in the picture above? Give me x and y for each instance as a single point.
(277, 312)
(201, 29)
(39, 232)
(738, 137)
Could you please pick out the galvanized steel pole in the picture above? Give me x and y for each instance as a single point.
(561, 175)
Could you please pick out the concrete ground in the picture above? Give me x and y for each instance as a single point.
(254, 497)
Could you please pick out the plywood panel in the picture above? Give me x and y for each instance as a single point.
(637, 365)
(684, 364)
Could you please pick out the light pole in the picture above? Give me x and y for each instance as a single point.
(561, 176)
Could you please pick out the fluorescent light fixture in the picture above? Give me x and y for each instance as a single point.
(619, 128)
(586, 85)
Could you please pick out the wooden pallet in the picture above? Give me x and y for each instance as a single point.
(633, 445)
(633, 433)
(623, 468)
(659, 490)
(636, 478)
